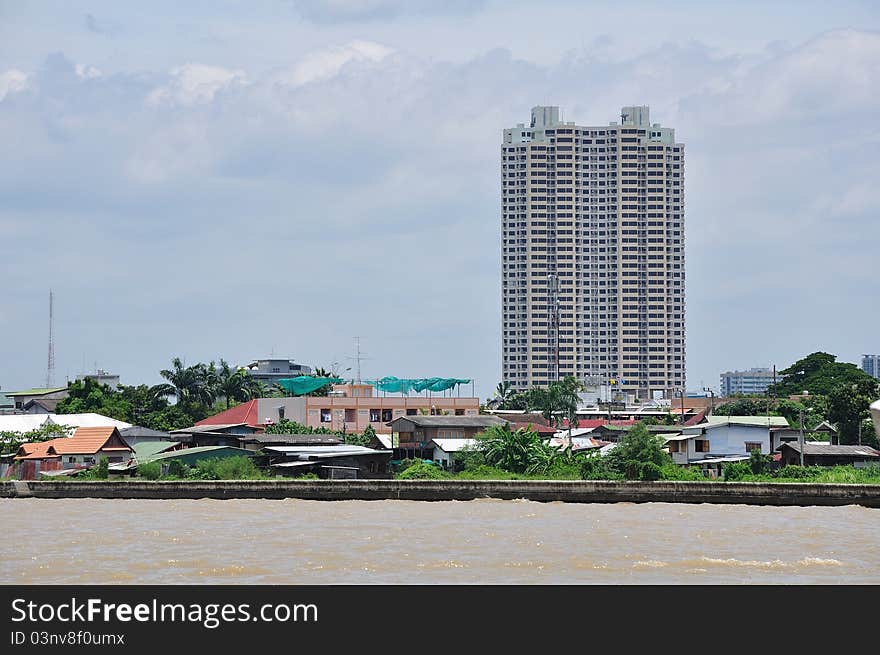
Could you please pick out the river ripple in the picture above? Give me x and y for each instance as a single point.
(91, 541)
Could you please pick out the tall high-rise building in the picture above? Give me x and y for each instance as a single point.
(592, 254)
(871, 365)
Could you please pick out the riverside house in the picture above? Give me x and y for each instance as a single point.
(82, 450)
(723, 439)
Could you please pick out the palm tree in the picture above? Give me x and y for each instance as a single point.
(503, 392)
(235, 384)
(189, 384)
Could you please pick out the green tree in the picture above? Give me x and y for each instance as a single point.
(639, 455)
(103, 471)
(503, 392)
(848, 408)
(191, 385)
(517, 451)
(234, 384)
(818, 373)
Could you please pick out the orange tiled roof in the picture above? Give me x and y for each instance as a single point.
(35, 449)
(85, 441)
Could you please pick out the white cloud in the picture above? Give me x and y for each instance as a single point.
(12, 81)
(194, 84)
(327, 62)
(355, 149)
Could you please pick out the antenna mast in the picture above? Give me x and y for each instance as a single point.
(358, 357)
(50, 367)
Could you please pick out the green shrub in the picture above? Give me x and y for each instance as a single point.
(759, 463)
(650, 471)
(308, 476)
(597, 468)
(150, 470)
(485, 472)
(736, 471)
(422, 471)
(799, 472)
(177, 469)
(239, 467)
(103, 471)
(676, 472)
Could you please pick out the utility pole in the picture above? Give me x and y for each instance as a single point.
(801, 435)
(711, 398)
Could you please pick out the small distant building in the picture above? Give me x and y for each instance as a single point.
(871, 365)
(22, 398)
(823, 454)
(82, 450)
(445, 449)
(413, 435)
(751, 381)
(722, 437)
(272, 369)
(339, 461)
(215, 435)
(350, 408)
(103, 377)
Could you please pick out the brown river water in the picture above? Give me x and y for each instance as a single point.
(92, 541)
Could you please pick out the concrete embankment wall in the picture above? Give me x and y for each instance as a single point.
(573, 491)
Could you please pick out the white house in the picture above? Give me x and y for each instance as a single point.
(724, 437)
(445, 449)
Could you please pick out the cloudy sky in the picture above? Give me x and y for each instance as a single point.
(231, 179)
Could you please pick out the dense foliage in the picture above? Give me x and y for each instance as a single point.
(199, 391)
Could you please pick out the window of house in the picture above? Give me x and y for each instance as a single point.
(71, 460)
(281, 413)
(701, 445)
(412, 412)
(350, 415)
(88, 460)
(326, 416)
(753, 445)
(459, 412)
(673, 446)
(375, 415)
(386, 415)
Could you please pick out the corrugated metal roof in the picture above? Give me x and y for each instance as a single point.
(319, 449)
(678, 437)
(146, 449)
(812, 448)
(757, 421)
(200, 450)
(716, 460)
(453, 445)
(22, 422)
(482, 421)
(35, 392)
(292, 439)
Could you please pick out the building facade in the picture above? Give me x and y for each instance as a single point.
(351, 407)
(871, 365)
(593, 261)
(751, 381)
(271, 369)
